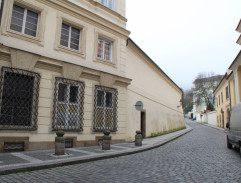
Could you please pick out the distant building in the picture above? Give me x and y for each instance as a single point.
(70, 65)
(204, 86)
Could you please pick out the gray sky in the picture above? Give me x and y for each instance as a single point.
(186, 37)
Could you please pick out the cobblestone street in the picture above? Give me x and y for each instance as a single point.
(199, 156)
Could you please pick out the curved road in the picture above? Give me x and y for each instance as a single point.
(199, 156)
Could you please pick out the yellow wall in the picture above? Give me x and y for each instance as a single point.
(222, 108)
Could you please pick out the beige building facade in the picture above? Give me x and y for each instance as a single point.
(66, 65)
(228, 93)
(222, 98)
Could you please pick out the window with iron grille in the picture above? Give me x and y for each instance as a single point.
(70, 37)
(105, 114)
(68, 105)
(104, 49)
(19, 99)
(24, 21)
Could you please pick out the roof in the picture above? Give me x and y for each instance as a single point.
(130, 40)
(239, 26)
(236, 58)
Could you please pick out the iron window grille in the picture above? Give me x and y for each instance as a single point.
(68, 105)
(24, 21)
(19, 99)
(105, 112)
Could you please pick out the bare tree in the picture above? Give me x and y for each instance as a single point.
(188, 101)
(204, 86)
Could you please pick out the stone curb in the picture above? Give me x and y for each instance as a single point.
(89, 158)
(217, 128)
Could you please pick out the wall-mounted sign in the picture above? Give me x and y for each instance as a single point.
(139, 105)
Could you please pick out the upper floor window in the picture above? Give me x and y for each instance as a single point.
(222, 96)
(227, 93)
(104, 49)
(108, 3)
(70, 37)
(24, 21)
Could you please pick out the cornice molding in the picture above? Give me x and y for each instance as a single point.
(55, 65)
(86, 15)
(95, 3)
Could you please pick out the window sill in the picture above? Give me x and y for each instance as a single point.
(70, 51)
(24, 37)
(106, 62)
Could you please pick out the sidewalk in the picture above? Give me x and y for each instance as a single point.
(34, 160)
(212, 126)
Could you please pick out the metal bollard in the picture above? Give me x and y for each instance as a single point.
(138, 138)
(106, 140)
(59, 143)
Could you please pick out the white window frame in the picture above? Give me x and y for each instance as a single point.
(33, 6)
(102, 56)
(67, 103)
(70, 33)
(24, 20)
(107, 3)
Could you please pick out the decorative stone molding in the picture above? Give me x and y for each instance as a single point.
(23, 60)
(107, 79)
(71, 71)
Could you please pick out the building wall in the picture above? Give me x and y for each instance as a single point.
(222, 107)
(212, 118)
(47, 43)
(43, 54)
(43, 137)
(158, 94)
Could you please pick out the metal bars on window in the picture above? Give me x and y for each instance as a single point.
(19, 99)
(105, 112)
(68, 105)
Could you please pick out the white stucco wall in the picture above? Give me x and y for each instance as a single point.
(158, 94)
(212, 119)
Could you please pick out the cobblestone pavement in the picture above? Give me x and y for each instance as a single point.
(199, 156)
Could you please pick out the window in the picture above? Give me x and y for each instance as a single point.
(105, 115)
(222, 96)
(227, 93)
(70, 37)
(219, 99)
(108, 3)
(24, 21)
(68, 105)
(104, 49)
(19, 99)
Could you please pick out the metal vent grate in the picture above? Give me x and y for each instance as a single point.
(19, 99)
(13, 146)
(68, 105)
(69, 143)
(105, 114)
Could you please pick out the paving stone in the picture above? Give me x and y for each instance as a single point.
(199, 156)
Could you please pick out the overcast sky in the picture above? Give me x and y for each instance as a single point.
(186, 37)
